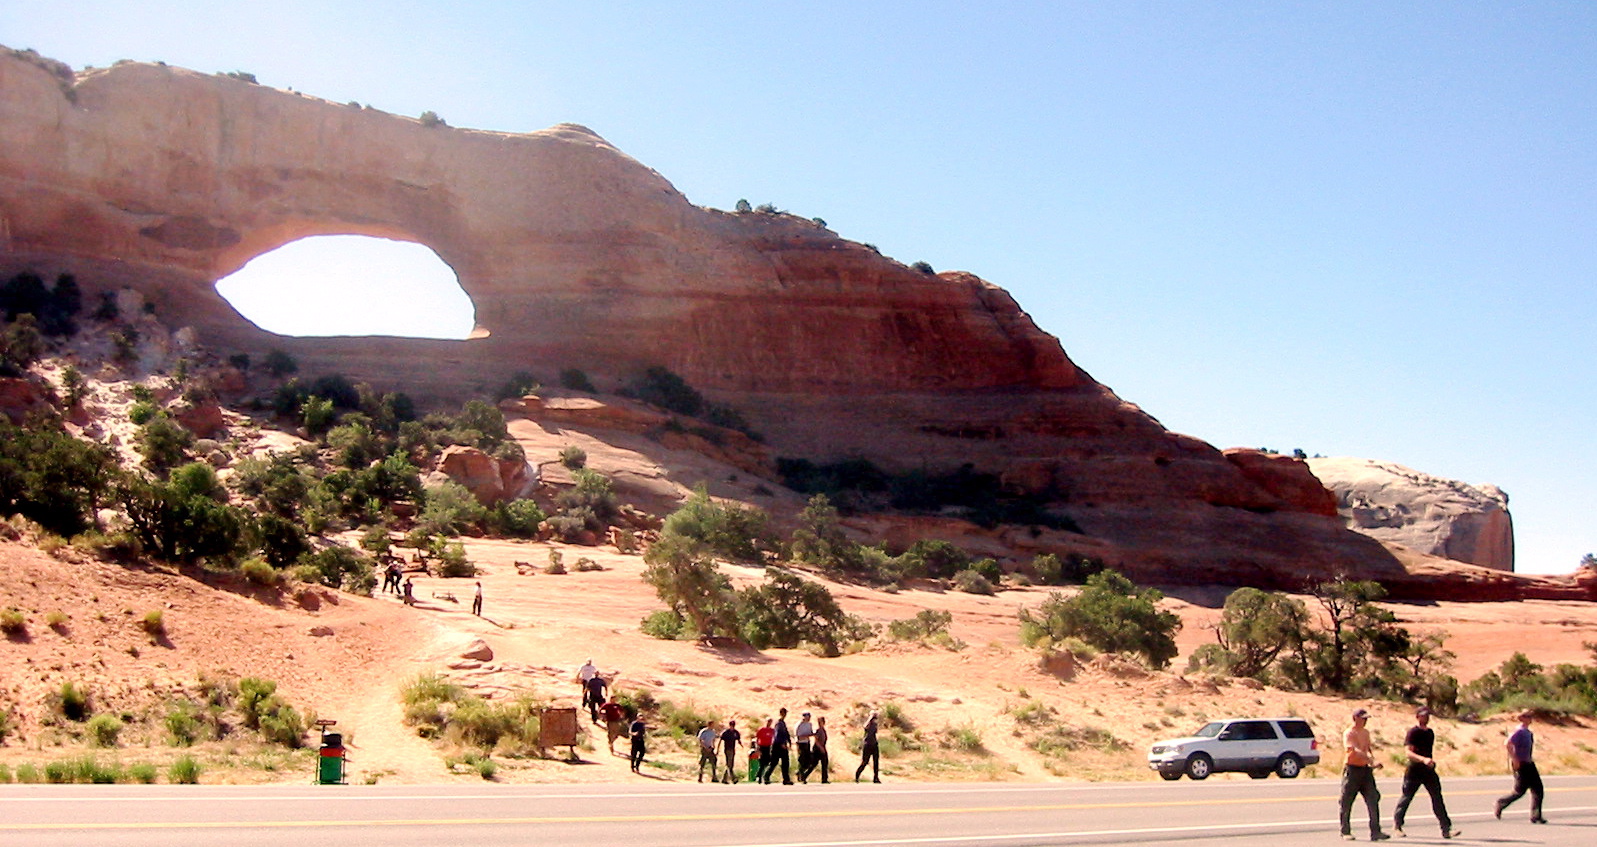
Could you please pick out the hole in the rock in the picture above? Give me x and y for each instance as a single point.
(351, 285)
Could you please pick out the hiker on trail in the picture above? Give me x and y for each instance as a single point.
(821, 760)
(586, 672)
(615, 721)
(410, 592)
(1420, 744)
(762, 741)
(868, 751)
(1358, 778)
(476, 602)
(637, 731)
(1521, 745)
(707, 737)
(804, 734)
(391, 576)
(781, 740)
(730, 737)
(598, 688)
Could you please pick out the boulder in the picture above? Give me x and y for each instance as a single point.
(488, 479)
(478, 650)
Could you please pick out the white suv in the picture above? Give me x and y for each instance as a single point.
(1255, 746)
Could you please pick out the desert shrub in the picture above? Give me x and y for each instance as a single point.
(1110, 613)
(966, 739)
(21, 344)
(573, 457)
(259, 572)
(154, 624)
(787, 610)
(28, 774)
(686, 578)
(282, 541)
(57, 619)
(820, 541)
(430, 119)
(586, 565)
(317, 415)
(184, 724)
(1073, 570)
(727, 530)
(449, 509)
(163, 444)
(519, 385)
(663, 388)
(926, 623)
(279, 364)
(355, 443)
(282, 724)
(343, 567)
(174, 526)
(576, 380)
(72, 701)
(142, 773)
(923, 267)
(277, 483)
(104, 729)
(972, 582)
(53, 478)
(935, 558)
(142, 412)
(184, 771)
(515, 519)
(13, 622)
(665, 624)
(452, 562)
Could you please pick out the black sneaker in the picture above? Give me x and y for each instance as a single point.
(1497, 810)
(1538, 819)
(1451, 833)
(1379, 836)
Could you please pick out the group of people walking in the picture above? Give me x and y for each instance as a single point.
(1358, 774)
(772, 749)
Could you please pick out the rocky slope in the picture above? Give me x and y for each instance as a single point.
(575, 255)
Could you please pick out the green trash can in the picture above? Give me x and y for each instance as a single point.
(330, 764)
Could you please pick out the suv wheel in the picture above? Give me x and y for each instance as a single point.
(1170, 776)
(1200, 766)
(1289, 766)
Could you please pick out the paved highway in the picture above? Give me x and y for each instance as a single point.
(1225, 812)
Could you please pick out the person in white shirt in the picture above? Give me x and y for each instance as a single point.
(707, 737)
(804, 733)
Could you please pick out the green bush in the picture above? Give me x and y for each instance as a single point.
(926, 623)
(519, 385)
(449, 509)
(452, 562)
(72, 701)
(515, 519)
(184, 771)
(13, 622)
(184, 725)
(142, 412)
(280, 364)
(104, 729)
(343, 567)
(576, 380)
(154, 624)
(142, 773)
(53, 478)
(667, 390)
(664, 624)
(573, 457)
(972, 582)
(726, 530)
(1110, 613)
(28, 774)
(1074, 570)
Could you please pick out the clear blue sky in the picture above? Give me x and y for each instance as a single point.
(1361, 229)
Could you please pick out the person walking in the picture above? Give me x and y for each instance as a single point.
(1420, 743)
(868, 751)
(821, 762)
(637, 731)
(707, 738)
(598, 692)
(1521, 747)
(762, 747)
(804, 734)
(410, 592)
(781, 740)
(476, 601)
(730, 738)
(615, 722)
(586, 672)
(1358, 777)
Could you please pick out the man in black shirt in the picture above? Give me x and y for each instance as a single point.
(1421, 745)
(779, 752)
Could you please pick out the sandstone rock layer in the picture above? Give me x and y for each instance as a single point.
(577, 256)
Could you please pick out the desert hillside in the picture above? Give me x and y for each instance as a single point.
(977, 705)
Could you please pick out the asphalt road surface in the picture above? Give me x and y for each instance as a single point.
(646, 814)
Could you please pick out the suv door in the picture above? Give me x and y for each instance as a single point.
(1259, 746)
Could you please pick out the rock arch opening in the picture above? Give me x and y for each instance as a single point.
(352, 285)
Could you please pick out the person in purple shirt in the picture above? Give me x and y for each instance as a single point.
(1521, 745)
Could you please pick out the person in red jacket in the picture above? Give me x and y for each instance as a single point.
(763, 737)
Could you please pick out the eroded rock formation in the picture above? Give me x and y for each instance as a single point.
(1436, 516)
(575, 255)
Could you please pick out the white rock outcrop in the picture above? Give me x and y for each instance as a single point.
(1430, 514)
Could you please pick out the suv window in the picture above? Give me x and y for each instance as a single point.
(1253, 731)
(1296, 729)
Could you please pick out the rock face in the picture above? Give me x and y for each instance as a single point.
(490, 480)
(164, 180)
(1436, 516)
